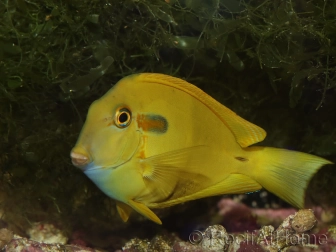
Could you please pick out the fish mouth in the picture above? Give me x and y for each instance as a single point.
(78, 160)
(92, 167)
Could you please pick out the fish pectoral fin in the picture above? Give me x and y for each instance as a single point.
(145, 211)
(234, 183)
(164, 173)
(124, 210)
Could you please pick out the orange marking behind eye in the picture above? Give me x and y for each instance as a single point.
(152, 123)
(142, 148)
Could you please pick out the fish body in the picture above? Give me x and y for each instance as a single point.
(153, 141)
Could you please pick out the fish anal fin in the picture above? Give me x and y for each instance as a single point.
(124, 210)
(145, 211)
(234, 183)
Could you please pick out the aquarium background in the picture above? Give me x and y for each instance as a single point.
(271, 61)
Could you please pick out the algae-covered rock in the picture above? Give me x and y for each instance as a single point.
(5, 237)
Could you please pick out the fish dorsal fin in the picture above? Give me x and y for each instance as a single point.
(246, 133)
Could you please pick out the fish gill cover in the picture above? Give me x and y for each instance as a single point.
(272, 62)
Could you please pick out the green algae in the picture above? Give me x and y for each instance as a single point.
(273, 62)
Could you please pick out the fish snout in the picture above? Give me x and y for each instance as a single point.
(79, 159)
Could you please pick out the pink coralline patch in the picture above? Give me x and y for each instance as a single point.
(187, 247)
(226, 205)
(274, 213)
(325, 214)
(245, 246)
(19, 244)
(78, 238)
(272, 216)
(238, 217)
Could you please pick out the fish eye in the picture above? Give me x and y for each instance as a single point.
(123, 117)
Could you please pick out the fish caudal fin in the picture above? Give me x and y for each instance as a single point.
(285, 173)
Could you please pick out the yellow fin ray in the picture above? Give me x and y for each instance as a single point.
(179, 158)
(286, 173)
(145, 211)
(124, 210)
(246, 133)
(234, 183)
(161, 172)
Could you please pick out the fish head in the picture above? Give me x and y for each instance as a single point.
(112, 141)
(109, 137)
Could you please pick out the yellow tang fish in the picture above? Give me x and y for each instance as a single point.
(153, 141)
